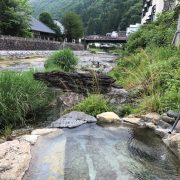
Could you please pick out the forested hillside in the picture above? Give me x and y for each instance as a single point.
(99, 16)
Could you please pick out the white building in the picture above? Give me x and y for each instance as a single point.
(114, 34)
(132, 28)
(151, 8)
(59, 25)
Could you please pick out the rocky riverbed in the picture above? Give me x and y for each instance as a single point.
(25, 60)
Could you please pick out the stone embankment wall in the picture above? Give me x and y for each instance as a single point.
(17, 43)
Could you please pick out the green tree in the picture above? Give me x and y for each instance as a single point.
(46, 18)
(73, 26)
(15, 18)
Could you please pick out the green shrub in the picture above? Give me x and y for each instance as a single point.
(126, 109)
(20, 95)
(159, 33)
(63, 60)
(93, 105)
(155, 71)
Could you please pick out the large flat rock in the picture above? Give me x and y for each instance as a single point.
(173, 142)
(132, 120)
(73, 119)
(14, 159)
(45, 131)
(108, 117)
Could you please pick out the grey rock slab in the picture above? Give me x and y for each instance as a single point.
(173, 114)
(164, 124)
(117, 96)
(173, 142)
(161, 132)
(167, 119)
(72, 119)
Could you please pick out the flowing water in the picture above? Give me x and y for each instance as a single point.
(93, 152)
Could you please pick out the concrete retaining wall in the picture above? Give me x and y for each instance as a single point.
(17, 43)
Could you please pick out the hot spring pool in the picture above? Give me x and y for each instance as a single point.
(106, 152)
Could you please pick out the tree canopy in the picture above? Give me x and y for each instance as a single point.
(73, 26)
(15, 17)
(46, 18)
(99, 16)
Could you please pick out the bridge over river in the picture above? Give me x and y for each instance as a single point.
(122, 38)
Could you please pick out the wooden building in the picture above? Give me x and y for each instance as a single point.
(41, 31)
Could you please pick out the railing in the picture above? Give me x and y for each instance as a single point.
(105, 38)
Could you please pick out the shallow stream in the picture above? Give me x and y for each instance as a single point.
(93, 152)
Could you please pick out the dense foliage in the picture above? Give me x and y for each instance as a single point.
(99, 16)
(20, 95)
(73, 26)
(93, 105)
(62, 60)
(15, 18)
(154, 75)
(149, 68)
(159, 33)
(47, 19)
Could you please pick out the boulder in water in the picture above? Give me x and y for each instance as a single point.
(167, 119)
(73, 119)
(133, 120)
(108, 117)
(164, 125)
(173, 142)
(151, 117)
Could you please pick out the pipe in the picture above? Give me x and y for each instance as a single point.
(175, 124)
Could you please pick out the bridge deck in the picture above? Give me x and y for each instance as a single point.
(106, 39)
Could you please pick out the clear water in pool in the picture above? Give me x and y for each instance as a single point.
(105, 152)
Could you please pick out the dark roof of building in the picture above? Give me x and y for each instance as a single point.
(37, 25)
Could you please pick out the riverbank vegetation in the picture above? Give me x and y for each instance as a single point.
(93, 104)
(149, 68)
(64, 60)
(159, 33)
(20, 97)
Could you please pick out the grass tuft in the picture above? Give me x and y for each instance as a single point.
(155, 71)
(20, 96)
(93, 105)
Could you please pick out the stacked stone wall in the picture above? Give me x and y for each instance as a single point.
(17, 43)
